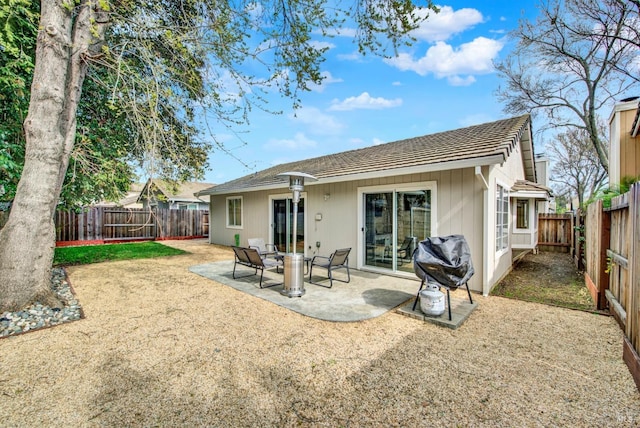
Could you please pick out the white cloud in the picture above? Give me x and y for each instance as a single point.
(299, 141)
(353, 56)
(396, 83)
(318, 45)
(317, 121)
(343, 32)
(327, 79)
(444, 61)
(441, 26)
(378, 141)
(364, 101)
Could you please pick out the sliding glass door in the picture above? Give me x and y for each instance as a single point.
(283, 224)
(394, 222)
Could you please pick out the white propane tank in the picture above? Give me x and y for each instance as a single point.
(432, 300)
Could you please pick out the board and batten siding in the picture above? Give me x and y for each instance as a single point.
(459, 210)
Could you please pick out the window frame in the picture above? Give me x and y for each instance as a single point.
(526, 217)
(502, 218)
(234, 225)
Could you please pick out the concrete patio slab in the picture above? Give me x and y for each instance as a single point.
(461, 309)
(368, 295)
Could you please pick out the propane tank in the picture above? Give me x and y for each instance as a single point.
(432, 300)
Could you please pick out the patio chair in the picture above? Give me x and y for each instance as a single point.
(250, 257)
(338, 260)
(265, 250)
(404, 252)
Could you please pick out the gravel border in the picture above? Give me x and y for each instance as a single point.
(38, 316)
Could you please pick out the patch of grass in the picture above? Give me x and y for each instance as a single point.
(65, 256)
(547, 278)
(573, 295)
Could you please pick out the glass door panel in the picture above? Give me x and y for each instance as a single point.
(413, 224)
(379, 229)
(283, 225)
(394, 224)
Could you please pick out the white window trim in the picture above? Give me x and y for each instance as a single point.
(432, 186)
(226, 206)
(501, 251)
(530, 204)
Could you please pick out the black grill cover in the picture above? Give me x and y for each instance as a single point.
(445, 260)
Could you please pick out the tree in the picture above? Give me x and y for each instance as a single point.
(103, 159)
(577, 170)
(579, 56)
(166, 58)
(18, 24)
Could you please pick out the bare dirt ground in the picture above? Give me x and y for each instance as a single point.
(161, 346)
(550, 278)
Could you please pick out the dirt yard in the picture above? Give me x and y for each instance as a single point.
(549, 278)
(161, 346)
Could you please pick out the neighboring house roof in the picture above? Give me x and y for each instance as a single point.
(525, 188)
(486, 144)
(185, 192)
(130, 199)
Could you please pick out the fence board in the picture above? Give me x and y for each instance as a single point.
(596, 241)
(555, 232)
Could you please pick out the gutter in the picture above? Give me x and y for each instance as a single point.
(440, 166)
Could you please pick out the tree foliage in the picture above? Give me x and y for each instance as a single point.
(576, 58)
(576, 171)
(159, 61)
(18, 30)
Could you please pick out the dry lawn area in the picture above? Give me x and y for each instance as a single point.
(161, 346)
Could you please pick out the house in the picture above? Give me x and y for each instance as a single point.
(543, 164)
(161, 194)
(478, 181)
(129, 200)
(624, 142)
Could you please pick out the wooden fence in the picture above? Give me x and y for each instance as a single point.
(106, 224)
(613, 266)
(121, 224)
(555, 232)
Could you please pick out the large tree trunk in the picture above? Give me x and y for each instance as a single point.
(27, 241)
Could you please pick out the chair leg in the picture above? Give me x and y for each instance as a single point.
(449, 304)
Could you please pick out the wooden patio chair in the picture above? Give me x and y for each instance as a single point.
(338, 260)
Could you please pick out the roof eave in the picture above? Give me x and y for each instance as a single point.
(440, 166)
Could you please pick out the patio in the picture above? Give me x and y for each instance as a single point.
(368, 295)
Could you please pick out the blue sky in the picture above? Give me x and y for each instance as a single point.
(444, 81)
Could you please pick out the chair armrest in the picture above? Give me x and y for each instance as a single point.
(271, 249)
(319, 257)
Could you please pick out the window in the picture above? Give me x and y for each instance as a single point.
(184, 206)
(522, 214)
(502, 218)
(234, 212)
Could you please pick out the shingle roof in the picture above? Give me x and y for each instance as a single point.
(528, 186)
(185, 192)
(494, 140)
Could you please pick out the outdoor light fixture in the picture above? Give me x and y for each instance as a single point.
(293, 271)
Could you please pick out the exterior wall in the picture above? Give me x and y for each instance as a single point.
(499, 263)
(542, 177)
(459, 210)
(524, 238)
(624, 150)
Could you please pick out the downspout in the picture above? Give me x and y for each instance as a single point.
(485, 231)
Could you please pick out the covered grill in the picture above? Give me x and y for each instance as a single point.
(444, 261)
